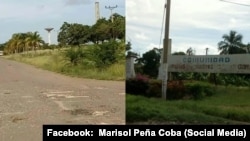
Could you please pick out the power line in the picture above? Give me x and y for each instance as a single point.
(236, 3)
(111, 9)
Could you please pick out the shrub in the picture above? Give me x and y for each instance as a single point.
(74, 55)
(199, 90)
(137, 85)
(154, 88)
(175, 89)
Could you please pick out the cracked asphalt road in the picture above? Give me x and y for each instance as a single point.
(31, 97)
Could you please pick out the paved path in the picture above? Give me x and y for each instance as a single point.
(31, 97)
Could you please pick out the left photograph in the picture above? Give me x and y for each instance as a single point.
(62, 62)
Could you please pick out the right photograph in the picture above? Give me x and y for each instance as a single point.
(187, 62)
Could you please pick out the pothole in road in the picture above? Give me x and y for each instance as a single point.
(86, 112)
(79, 112)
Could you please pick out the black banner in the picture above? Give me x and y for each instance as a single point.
(78, 132)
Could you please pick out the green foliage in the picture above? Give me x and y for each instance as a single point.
(150, 62)
(128, 46)
(73, 34)
(54, 60)
(198, 90)
(23, 42)
(231, 44)
(107, 53)
(227, 106)
(74, 55)
(118, 26)
(230, 79)
(154, 88)
(137, 85)
(100, 56)
(175, 90)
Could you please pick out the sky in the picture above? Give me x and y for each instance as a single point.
(21, 16)
(198, 24)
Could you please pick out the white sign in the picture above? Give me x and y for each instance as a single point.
(237, 63)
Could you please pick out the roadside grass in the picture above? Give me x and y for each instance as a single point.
(53, 60)
(230, 105)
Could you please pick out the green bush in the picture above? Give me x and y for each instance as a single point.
(74, 55)
(154, 88)
(137, 85)
(199, 90)
(175, 90)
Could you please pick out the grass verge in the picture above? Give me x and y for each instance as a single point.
(54, 61)
(230, 105)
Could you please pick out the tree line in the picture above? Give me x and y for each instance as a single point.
(70, 34)
(148, 64)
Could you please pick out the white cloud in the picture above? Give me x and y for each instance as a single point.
(195, 23)
(77, 2)
(141, 36)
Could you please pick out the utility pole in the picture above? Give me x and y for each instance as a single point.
(111, 9)
(206, 51)
(165, 51)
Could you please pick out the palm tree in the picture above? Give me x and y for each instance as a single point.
(190, 51)
(14, 45)
(34, 40)
(231, 44)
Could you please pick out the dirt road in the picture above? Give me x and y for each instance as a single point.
(31, 97)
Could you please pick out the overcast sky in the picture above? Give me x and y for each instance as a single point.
(198, 24)
(21, 16)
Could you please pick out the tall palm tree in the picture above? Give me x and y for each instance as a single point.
(13, 45)
(231, 44)
(34, 40)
